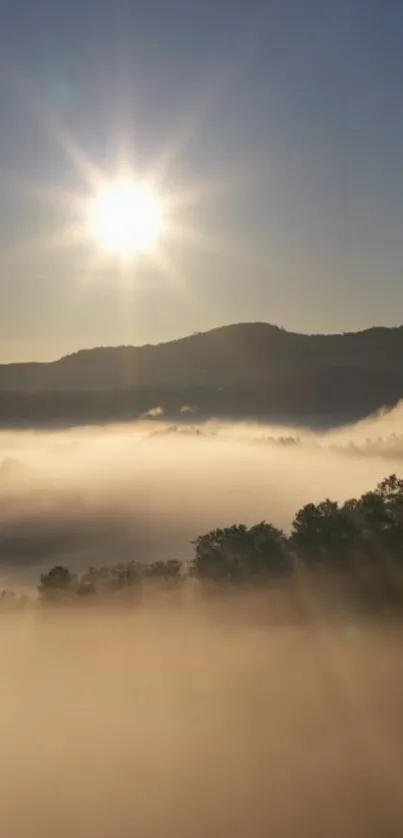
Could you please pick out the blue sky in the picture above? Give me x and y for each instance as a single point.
(291, 112)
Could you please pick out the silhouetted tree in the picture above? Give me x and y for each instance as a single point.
(168, 571)
(378, 519)
(325, 533)
(241, 554)
(363, 538)
(391, 489)
(381, 537)
(58, 585)
(109, 579)
(162, 578)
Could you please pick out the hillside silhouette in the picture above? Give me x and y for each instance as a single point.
(248, 369)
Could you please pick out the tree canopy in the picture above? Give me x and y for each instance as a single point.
(360, 539)
(240, 554)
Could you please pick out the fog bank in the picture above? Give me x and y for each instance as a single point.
(146, 490)
(191, 724)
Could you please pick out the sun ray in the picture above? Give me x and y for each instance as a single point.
(44, 192)
(63, 138)
(99, 219)
(68, 236)
(170, 270)
(115, 219)
(204, 189)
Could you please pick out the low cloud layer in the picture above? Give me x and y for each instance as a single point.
(187, 725)
(146, 490)
(196, 718)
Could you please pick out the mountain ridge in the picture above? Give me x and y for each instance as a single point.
(244, 369)
(359, 333)
(247, 345)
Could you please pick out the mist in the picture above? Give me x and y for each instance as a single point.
(146, 490)
(200, 717)
(198, 722)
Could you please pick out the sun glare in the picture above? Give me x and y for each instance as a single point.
(127, 218)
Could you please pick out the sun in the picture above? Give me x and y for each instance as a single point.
(127, 218)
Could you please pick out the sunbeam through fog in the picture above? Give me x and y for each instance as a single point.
(249, 712)
(144, 491)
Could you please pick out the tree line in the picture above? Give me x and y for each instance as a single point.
(359, 542)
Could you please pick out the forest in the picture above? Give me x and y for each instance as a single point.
(352, 552)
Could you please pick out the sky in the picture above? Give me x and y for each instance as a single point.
(273, 126)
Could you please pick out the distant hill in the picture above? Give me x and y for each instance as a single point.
(248, 369)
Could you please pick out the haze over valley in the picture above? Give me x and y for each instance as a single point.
(201, 419)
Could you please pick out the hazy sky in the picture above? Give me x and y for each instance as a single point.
(289, 113)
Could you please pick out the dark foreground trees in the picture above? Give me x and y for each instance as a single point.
(325, 534)
(242, 554)
(126, 579)
(59, 585)
(358, 543)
